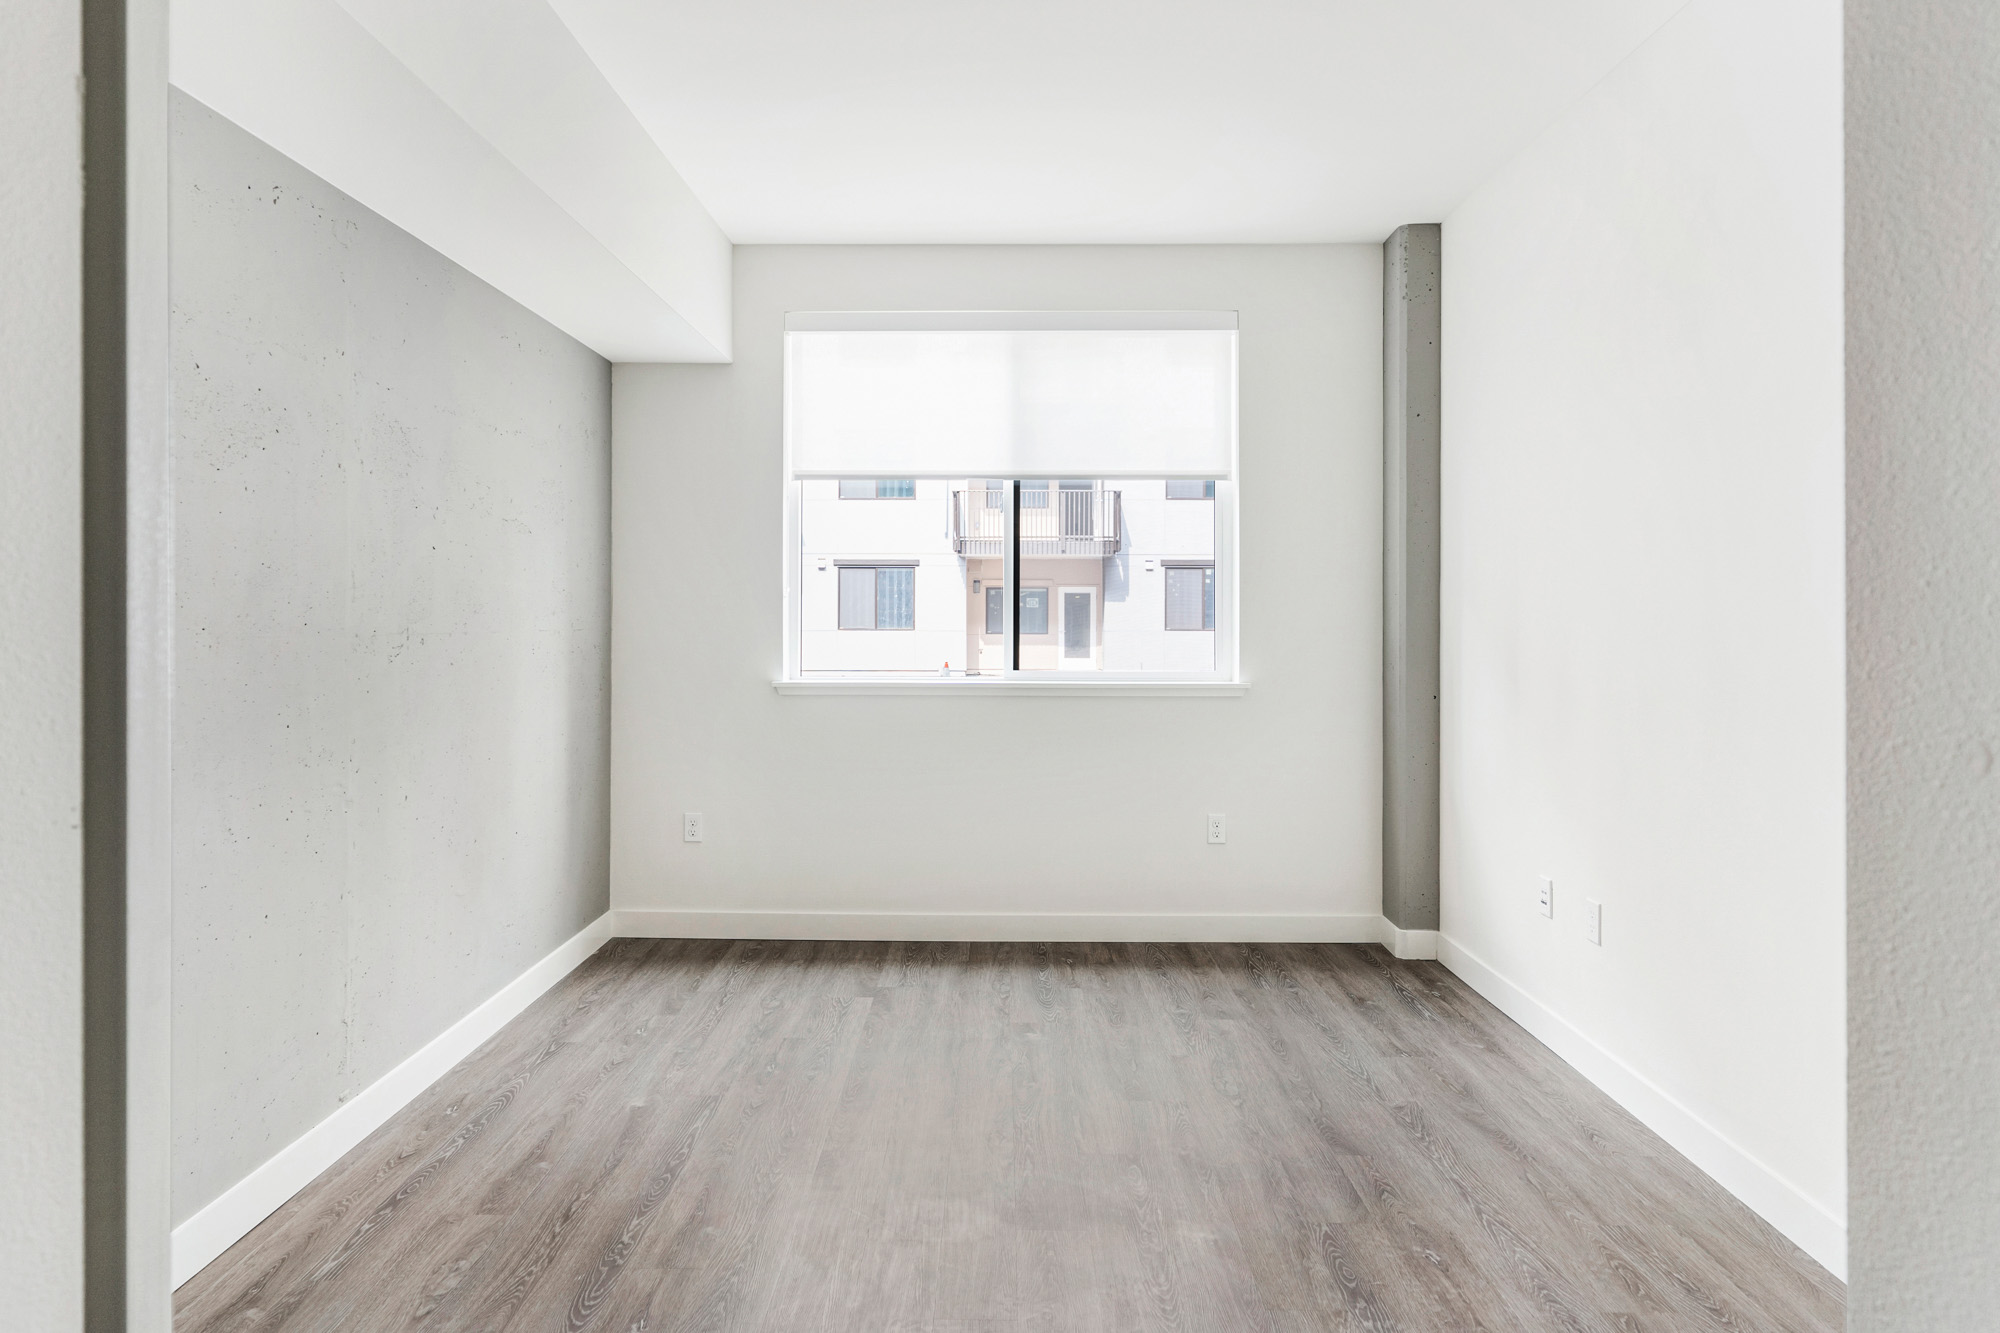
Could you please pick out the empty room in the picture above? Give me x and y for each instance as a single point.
(958, 667)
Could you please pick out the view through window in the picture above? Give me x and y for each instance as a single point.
(1115, 577)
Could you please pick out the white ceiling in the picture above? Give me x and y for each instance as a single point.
(1096, 120)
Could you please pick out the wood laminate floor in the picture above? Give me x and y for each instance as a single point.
(692, 1134)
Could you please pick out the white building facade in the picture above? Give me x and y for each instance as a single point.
(905, 577)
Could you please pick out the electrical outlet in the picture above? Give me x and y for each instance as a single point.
(1218, 828)
(1593, 921)
(1546, 898)
(690, 828)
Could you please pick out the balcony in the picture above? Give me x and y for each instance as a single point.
(1053, 522)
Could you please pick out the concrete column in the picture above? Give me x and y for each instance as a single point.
(126, 670)
(41, 668)
(1410, 321)
(1923, 664)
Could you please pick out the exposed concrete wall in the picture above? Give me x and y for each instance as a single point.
(390, 723)
(1923, 562)
(1410, 329)
(41, 718)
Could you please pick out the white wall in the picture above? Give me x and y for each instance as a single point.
(390, 757)
(1923, 325)
(41, 695)
(1642, 598)
(898, 804)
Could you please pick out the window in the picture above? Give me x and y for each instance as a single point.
(1190, 596)
(1034, 611)
(878, 490)
(878, 597)
(1028, 452)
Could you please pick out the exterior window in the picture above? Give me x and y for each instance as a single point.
(878, 597)
(903, 489)
(1190, 596)
(1035, 461)
(1034, 610)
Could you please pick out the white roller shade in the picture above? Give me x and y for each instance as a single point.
(1012, 401)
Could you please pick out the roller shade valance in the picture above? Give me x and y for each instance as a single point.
(1019, 395)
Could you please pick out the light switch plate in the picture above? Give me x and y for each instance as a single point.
(1593, 921)
(1546, 898)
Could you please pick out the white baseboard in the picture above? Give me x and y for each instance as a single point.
(1809, 1226)
(1416, 944)
(197, 1241)
(995, 927)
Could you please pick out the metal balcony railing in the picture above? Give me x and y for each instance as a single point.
(1053, 522)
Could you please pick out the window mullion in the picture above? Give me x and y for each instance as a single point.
(1010, 581)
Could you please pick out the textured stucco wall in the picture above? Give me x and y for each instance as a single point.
(390, 722)
(41, 861)
(1923, 560)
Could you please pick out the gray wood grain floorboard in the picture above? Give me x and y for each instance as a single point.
(977, 1138)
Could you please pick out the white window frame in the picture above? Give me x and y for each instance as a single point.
(1225, 680)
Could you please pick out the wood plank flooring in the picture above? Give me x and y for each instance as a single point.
(967, 1138)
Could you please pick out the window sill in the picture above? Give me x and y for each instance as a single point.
(990, 688)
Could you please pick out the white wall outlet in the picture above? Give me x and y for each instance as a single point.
(1593, 921)
(690, 828)
(1218, 828)
(1546, 896)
